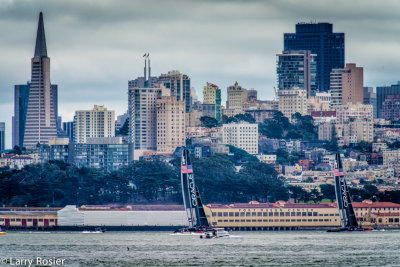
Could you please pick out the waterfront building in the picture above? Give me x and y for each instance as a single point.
(297, 68)
(179, 86)
(288, 216)
(347, 85)
(370, 99)
(98, 122)
(41, 113)
(237, 96)
(170, 123)
(382, 92)
(292, 101)
(391, 108)
(21, 97)
(212, 96)
(33, 217)
(241, 135)
(68, 128)
(320, 39)
(2, 135)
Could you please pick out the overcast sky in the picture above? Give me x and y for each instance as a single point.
(97, 46)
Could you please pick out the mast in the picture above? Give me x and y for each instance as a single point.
(347, 216)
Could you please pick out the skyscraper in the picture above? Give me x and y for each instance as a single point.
(21, 97)
(2, 135)
(382, 92)
(296, 69)
(179, 85)
(347, 85)
(41, 114)
(322, 41)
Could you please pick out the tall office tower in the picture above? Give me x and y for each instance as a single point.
(68, 128)
(143, 117)
(236, 98)
(2, 135)
(322, 41)
(170, 124)
(347, 85)
(179, 85)
(382, 92)
(98, 122)
(370, 99)
(297, 69)
(21, 97)
(212, 96)
(292, 101)
(41, 114)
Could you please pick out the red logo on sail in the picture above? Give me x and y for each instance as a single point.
(186, 169)
(338, 172)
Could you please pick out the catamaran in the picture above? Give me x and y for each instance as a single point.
(347, 216)
(198, 223)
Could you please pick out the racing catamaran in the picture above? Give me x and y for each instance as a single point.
(347, 216)
(198, 223)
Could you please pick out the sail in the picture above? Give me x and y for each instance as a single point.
(346, 211)
(202, 219)
(191, 197)
(188, 188)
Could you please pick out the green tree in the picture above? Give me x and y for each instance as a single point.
(328, 192)
(208, 122)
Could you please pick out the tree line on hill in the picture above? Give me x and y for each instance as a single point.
(219, 180)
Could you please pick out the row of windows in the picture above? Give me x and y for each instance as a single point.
(270, 214)
(28, 220)
(280, 220)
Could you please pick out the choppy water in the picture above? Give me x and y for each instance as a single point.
(161, 249)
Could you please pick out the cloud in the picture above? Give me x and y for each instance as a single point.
(96, 46)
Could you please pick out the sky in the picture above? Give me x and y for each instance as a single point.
(96, 46)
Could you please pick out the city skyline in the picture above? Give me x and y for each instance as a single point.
(95, 53)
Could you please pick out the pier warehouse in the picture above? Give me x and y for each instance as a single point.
(239, 216)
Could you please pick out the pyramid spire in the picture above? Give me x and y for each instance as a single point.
(40, 48)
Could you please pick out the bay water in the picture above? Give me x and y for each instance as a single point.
(285, 248)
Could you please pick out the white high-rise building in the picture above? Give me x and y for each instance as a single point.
(241, 135)
(98, 122)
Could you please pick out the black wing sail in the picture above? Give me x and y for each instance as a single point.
(202, 221)
(188, 188)
(346, 211)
